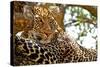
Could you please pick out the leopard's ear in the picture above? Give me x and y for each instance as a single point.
(27, 12)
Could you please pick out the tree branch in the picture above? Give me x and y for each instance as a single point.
(91, 9)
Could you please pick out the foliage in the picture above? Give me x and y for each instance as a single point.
(82, 25)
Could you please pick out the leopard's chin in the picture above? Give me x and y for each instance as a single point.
(45, 41)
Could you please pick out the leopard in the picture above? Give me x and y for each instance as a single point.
(46, 42)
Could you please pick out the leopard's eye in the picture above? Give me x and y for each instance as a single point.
(50, 22)
(40, 20)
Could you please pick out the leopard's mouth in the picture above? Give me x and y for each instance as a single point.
(39, 38)
(44, 37)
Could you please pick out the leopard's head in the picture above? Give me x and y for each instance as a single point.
(44, 24)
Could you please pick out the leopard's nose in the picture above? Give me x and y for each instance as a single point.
(47, 33)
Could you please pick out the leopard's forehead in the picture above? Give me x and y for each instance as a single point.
(42, 11)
